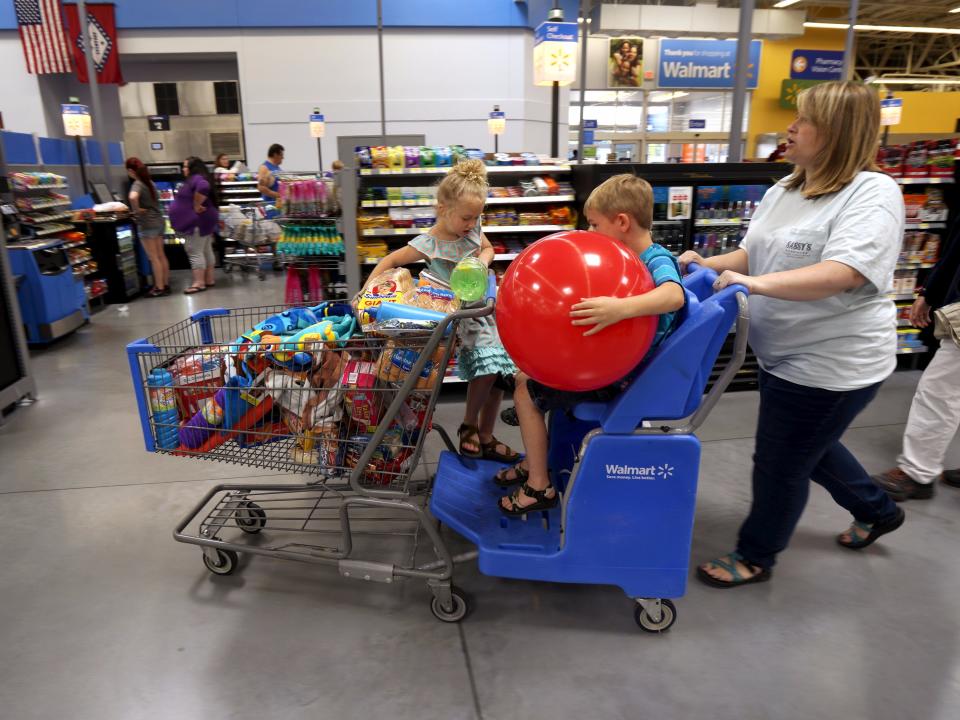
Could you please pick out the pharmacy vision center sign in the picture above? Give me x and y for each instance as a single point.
(704, 64)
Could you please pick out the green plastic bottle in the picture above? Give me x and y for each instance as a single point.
(469, 279)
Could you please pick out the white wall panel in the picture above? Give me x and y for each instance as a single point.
(20, 100)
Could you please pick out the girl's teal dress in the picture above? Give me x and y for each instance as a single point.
(480, 350)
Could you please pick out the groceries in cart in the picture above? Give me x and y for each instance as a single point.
(307, 387)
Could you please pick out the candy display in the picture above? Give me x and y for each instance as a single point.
(397, 157)
(32, 180)
(920, 159)
(307, 240)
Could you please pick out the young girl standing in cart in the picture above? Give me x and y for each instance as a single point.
(456, 235)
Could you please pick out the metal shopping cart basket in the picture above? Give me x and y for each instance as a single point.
(253, 239)
(298, 390)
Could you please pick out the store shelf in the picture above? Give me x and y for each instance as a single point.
(53, 230)
(75, 244)
(237, 182)
(914, 265)
(38, 187)
(490, 201)
(904, 323)
(925, 226)
(925, 181)
(503, 257)
(238, 191)
(668, 222)
(718, 221)
(390, 232)
(902, 296)
(912, 351)
(526, 228)
(530, 199)
(46, 220)
(45, 205)
(493, 169)
(452, 379)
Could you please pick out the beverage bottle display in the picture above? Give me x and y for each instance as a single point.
(469, 279)
(163, 409)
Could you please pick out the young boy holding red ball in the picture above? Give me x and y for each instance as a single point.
(620, 208)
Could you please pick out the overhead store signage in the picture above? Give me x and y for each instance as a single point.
(497, 122)
(318, 127)
(158, 123)
(589, 124)
(76, 120)
(588, 137)
(789, 89)
(554, 53)
(704, 64)
(890, 111)
(697, 124)
(156, 146)
(816, 65)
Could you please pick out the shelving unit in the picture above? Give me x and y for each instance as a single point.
(925, 180)
(33, 203)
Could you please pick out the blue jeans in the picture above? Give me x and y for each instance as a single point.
(798, 440)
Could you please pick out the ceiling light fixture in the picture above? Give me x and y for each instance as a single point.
(955, 10)
(885, 28)
(786, 3)
(914, 81)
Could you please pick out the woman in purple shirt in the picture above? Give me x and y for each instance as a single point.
(194, 214)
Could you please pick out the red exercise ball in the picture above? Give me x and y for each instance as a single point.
(533, 310)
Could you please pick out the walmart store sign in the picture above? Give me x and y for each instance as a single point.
(704, 64)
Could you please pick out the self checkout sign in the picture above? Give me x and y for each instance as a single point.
(76, 121)
(159, 123)
(317, 126)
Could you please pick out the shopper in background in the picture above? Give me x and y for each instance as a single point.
(456, 235)
(935, 411)
(817, 259)
(268, 182)
(221, 164)
(194, 214)
(145, 205)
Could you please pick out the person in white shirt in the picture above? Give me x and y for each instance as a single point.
(818, 261)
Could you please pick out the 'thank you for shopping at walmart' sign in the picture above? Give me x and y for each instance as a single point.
(704, 64)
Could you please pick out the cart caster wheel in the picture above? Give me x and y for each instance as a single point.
(262, 277)
(226, 562)
(667, 618)
(250, 517)
(228, 269)
(456, 613)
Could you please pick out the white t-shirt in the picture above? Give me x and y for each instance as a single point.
(844, 342)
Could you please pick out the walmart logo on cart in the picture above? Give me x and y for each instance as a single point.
(641, 472)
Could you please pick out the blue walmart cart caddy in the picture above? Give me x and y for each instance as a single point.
(627, 471)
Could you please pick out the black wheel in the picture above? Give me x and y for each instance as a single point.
(668, 616)
(457, 612)
(228, 269)
(244, 269)
(250, 517)
(226, 562)
(262, 276)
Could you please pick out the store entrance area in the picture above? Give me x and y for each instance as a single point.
(91, 573)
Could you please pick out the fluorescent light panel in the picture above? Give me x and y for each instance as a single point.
(788, 3)
(955, 10)
(915, 81)
(885, 28)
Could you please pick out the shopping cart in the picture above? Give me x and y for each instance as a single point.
(298, 390)
(253, 239)
(627, 471)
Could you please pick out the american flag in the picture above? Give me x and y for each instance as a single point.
(44, 40)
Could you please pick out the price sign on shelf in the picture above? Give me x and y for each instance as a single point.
(890, 111)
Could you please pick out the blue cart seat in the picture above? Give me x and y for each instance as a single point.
(628, 490)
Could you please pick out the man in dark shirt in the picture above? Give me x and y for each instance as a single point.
(935, 411)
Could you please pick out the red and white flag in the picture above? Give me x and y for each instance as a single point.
(44, 40)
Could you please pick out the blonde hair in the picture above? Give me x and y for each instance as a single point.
(847, 116)
(467, 177)
(626, 194)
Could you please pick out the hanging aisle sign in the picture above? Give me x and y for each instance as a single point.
(890, 111)
(497, 122)
(555, 53)
(704, 64)
(317, 126)
(76, 121)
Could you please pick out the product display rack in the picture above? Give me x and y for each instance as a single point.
(40, 208)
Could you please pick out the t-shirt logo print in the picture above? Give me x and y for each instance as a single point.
(797, 248)
(100, 42)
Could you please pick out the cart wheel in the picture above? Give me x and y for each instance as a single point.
(244, 269)
(250, 517)
(227, 268)
(667, 618)
(459, 610)
(226, 562)
(262, 276)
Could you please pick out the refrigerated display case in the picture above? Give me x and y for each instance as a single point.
(114, 250)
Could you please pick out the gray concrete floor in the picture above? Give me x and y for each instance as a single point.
(104, 616)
